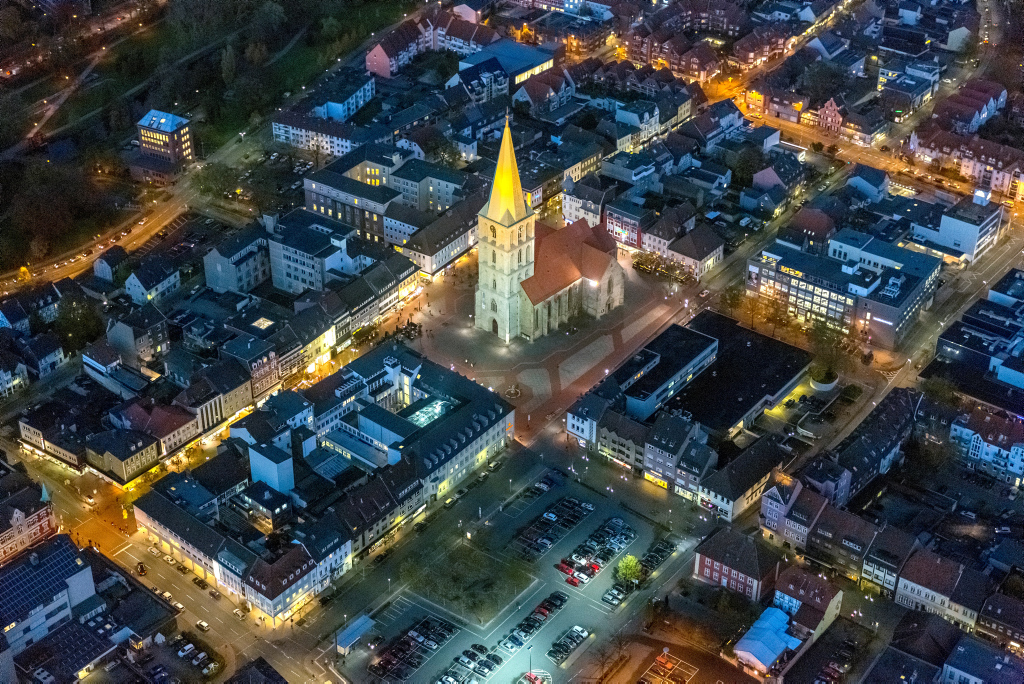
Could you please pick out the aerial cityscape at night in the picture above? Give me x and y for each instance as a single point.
(315, 316)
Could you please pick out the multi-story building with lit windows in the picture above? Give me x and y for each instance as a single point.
(863, 284)
(166, 136)
(163, 148)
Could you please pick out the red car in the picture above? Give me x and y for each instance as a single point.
(562, 567)
(595, 567)
(542, 611)
(573, 581)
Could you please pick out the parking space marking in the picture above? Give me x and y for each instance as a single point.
(417, 648)
(668, 669)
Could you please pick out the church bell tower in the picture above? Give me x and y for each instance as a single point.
(505, 227)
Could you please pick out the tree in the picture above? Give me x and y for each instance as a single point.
(256, 53)
(628, 569)
(446, 153)
(268, 20)
(754, 307)
(10, 24)
(822, 80)
(330, 30)
(832, 149)
(817, 146)
(228, 64)
(829, 358)
(733, 297)
(777, 313)
(12, 120)
(214, 179)
(588, 120)
(77, 323)
(940, 391)
(748, 162)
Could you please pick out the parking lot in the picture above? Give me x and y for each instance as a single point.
(401, 658)
(549, 528)
(668, 669)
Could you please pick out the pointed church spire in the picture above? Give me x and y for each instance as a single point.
(507, 190)
(45, 497)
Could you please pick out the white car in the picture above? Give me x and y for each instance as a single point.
(177, 606)
(509, 646)
(199, 658)
(551, 516)
(542, 487)
(586, 506)
(581, 577)
(210, 668)
(580, 631)
(203, 625)
(432, 645)
(169, 560)
(417, 636)
(154, 551)
(185, 650)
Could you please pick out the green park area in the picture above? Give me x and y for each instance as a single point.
(467, 582)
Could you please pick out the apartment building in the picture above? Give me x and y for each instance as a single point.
(968, 229)
(29, 518)
(991, 442)
(41, 587)
(427, 186)
(938, 585)
(738, 562)
(238, 263)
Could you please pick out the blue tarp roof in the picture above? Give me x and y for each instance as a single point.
(767, 639)
(351, 634)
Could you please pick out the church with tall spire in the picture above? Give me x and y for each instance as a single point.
(534, 278)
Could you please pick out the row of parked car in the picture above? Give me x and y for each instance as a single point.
(477, 658)
(616, 594)
(410, 650)
(563, 647)
(835, 670)
(656, 555)
(525, 630)
(188, 653)
(547, 530)
(596, 551)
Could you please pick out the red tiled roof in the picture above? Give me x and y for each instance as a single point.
(995, 429)
(564, 256)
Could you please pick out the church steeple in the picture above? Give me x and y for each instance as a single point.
(507, 190)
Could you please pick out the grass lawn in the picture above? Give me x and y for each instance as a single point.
(113, 82)
(467, 582)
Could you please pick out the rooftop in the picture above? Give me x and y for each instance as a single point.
(749, 367)
(969, 211)
(162, 121)
(985, 662)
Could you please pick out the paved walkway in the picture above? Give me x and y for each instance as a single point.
(551, 371)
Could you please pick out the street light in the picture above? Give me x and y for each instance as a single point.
(529, 650)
